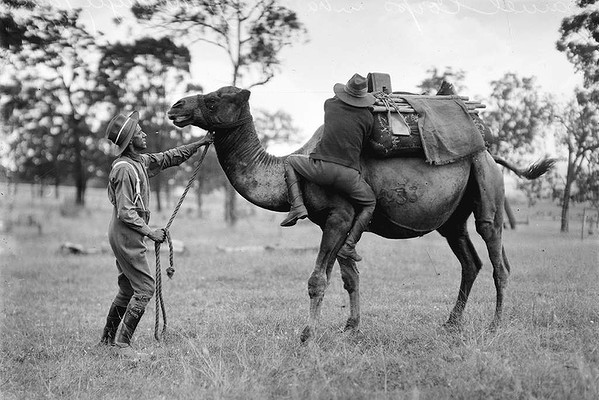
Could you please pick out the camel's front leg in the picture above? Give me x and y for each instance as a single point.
(333, 236)
(351, 283)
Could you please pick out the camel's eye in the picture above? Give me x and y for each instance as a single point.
(211, 104)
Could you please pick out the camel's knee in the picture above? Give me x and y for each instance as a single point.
(501, 275)
(350, 281)
(487, 229)
(350, 285)
(317, 284)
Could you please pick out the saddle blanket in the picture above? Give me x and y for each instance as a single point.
(442, 130)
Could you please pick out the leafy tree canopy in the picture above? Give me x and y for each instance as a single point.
(48, 97)
(580, 40)
(517, 114)
(252, 33)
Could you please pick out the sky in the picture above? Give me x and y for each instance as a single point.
(404, 38)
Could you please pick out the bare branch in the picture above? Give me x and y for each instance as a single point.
(263, 81)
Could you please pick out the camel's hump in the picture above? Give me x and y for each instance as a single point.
(311, 143)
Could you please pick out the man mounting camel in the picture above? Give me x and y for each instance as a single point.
(335, 162)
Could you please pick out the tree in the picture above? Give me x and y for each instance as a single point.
(580, 123)
(579, 39)
(251, 33)
(588, 181)
(432, 84)
(275, 128)
(34, 152)
(139, 76)
(50, 96)
(518, 114)
(517, 117)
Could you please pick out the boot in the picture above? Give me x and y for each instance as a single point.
(130, 321)
(122, 343)
(348, 250)
(115, 315)
(296, 201)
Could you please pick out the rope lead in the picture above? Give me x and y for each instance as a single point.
(171, 269)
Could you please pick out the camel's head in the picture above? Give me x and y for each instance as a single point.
(220, 109)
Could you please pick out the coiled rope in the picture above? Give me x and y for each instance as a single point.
(170, 271)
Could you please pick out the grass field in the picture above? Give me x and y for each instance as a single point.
(235, 317)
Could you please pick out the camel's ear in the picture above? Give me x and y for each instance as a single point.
(242, 97)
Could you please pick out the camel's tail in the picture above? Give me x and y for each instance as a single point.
(535, 170)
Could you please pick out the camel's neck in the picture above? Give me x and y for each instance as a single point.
(257, 175)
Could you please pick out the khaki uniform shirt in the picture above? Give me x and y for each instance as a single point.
(128, 185)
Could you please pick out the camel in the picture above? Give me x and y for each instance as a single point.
(413, 198)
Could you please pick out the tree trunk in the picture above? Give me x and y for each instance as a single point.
(57, 176)
(199, 200)
(80, 182)
(78, 165)
(230, 205)
(168, 191)
(157, 180)
(566, 200)
(565, 209)
(80, 198)
(157, 186)
(509, 213)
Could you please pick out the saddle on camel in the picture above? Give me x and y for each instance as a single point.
(441, 128)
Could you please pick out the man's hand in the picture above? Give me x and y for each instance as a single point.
(204, 141)
(158, 235)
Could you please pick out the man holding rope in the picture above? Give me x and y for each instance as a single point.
(129, 193)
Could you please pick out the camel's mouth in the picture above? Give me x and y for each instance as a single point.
(180, 120)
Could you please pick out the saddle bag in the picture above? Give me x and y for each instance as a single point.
(383, 143)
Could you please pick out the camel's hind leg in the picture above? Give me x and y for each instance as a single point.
(488, 212)
(456, 232)
(334, 233)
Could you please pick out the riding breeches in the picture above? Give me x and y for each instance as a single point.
(136, 283)
(344, 179)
